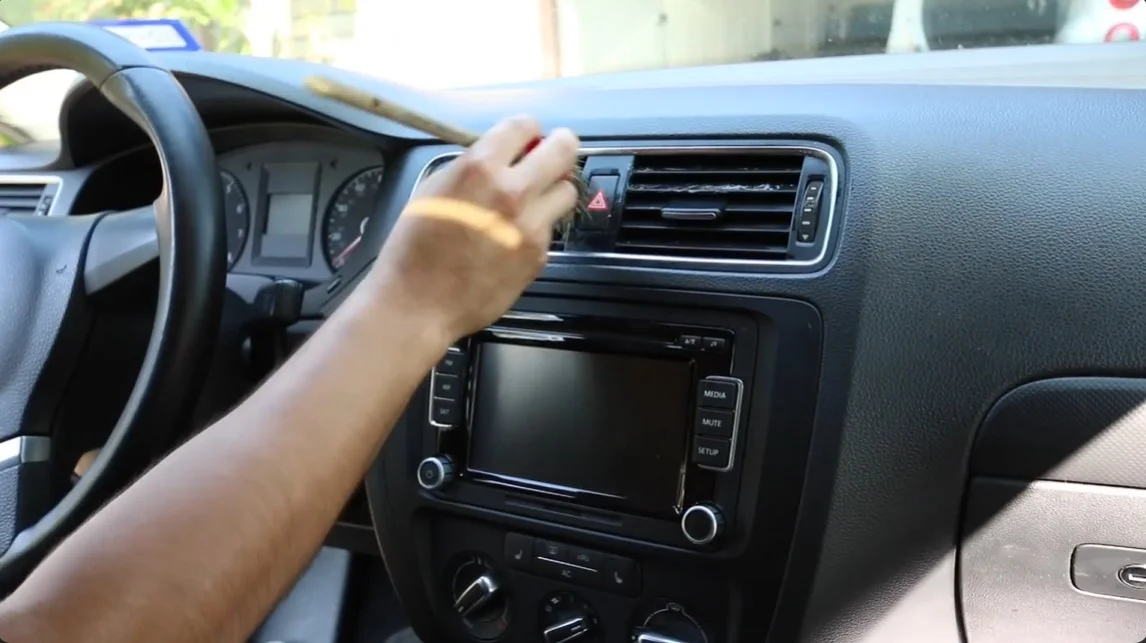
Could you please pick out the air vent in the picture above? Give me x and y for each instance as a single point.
(23, 198)
(716, 206)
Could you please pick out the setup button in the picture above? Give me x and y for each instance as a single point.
(712, 452)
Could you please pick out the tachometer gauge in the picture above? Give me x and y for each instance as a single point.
(347, 215)
(238, 217)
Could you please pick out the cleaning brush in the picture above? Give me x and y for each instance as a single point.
(446, 132)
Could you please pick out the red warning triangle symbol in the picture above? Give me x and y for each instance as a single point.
(598, 202)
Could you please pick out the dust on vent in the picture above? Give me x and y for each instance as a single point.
(722, 206)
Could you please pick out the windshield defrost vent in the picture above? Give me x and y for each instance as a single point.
(727, 206)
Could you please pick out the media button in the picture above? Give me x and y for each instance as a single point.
(718, 394)
(714, 423)
(447, 387)
(551, 550)
(714, 453)
(518, 551)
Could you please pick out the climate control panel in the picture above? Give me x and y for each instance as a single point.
(512, 586)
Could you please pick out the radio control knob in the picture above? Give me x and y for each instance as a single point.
(436, 472)
(702, 524)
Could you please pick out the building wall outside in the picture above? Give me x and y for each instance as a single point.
(454, 43)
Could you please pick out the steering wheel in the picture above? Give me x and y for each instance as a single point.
(49, 265)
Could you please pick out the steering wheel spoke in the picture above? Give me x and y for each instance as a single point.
(121, 243)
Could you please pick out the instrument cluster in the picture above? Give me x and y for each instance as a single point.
(298, 210)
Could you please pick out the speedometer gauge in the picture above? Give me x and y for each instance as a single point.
(238, 216)
(346, 218)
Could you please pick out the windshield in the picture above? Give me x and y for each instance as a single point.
(460, 43)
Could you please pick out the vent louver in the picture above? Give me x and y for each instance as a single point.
(720, 206)
(22, 198)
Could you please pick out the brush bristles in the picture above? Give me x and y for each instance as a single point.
(580, 211)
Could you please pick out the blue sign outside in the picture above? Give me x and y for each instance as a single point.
(153, 34)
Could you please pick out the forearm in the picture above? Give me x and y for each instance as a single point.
(202, 545)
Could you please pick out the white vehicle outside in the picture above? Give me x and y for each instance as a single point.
(1075, 21)
(1104, 21)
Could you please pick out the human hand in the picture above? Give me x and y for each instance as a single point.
(477, 232)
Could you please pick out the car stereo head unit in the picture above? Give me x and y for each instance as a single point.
(607, 420)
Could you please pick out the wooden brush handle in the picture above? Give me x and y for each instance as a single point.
(350, 95)
(357, 98)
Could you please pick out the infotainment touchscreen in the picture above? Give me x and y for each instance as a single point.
(609, 424)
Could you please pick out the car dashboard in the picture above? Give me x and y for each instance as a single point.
(817, 365)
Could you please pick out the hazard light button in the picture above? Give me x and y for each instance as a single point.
(599, 209)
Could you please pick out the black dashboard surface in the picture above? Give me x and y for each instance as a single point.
(990, 236)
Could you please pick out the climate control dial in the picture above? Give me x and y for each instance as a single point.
(669, 623)
(566, 618)
(479, 598)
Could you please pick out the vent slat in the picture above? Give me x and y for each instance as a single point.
(19, 202)
(704, 226)
(710, 251)
(22, 191)
(655, 207)
(558, 241)
(735, 173)
(754, 193)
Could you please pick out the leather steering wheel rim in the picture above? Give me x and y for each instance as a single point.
(190, 229)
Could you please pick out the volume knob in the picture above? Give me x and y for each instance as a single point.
(702, 524)
(435, 472)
